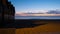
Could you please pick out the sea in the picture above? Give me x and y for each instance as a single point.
(37, 17)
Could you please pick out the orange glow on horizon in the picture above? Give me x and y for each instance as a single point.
(25, 14)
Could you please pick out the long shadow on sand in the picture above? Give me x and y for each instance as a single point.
(25, 23)
(20, 24)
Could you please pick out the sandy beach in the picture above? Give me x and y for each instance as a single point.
(51, 27)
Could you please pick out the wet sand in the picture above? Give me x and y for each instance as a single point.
(51, 27)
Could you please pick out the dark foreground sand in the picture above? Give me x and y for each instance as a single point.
(51, 27)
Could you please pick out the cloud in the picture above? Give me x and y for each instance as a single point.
(33, 11)
(39, 13)
(53, 12)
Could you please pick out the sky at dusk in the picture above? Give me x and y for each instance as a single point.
(35, 5)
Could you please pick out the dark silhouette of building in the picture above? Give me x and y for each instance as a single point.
(7, 12)
(7, 9)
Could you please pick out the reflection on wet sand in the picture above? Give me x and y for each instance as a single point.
(52, 27)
